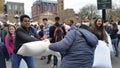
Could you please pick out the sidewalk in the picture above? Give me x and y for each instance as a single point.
(38, 63)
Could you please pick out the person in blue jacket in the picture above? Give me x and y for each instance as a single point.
(78, 50)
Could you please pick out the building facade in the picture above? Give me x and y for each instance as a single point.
(40, 7)
(14, 10)
(1, 6)
(50, 9)
(68, 14)
(60, 10)
(60, 7)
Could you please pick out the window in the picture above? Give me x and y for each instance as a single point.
(20, 13)
(54, 8)
(38, 6)
(49, 7)
(61, 1)
(61, 7)
(9, 6)
(16, 12)
(45, 6)
(21, 7)
(15, 7)
(10, 12)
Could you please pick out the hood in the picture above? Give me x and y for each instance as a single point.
(91, 39)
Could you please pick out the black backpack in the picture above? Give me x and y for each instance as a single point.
(58, 33)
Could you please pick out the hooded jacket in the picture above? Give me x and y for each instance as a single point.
(77, 52)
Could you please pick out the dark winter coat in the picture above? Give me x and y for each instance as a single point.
(24, 35)
(77, 52)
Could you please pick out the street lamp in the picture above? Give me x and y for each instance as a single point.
(16, 17)
(48, 13)
(6, 17)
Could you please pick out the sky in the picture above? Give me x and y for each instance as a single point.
(74, 4)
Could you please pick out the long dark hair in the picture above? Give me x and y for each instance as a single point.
(115, 27)
(118, 22)
(95, 24)
(9, 34)
(103, 35)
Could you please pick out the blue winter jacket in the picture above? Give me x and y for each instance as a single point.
(77, 52)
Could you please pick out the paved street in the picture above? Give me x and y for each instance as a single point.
(39, 63)
(115, 62)
(42, 63)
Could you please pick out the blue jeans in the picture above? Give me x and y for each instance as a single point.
(115, 43)
(2, 59)
(55, 59)
(16, 59)
(118, 39)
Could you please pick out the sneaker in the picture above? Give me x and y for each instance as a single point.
(48, 62)
(116, 56)
(54, 66)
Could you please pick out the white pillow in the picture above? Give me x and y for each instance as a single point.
(102, 57)
(23, 64)
(48, 52)
(110, 44)
(36, 48)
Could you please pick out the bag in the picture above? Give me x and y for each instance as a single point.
(58, 33)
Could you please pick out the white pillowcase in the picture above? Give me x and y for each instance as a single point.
(48, 52)
(102, 58)
(35, 48)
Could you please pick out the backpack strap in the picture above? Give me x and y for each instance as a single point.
(81, 35)
(76, 33)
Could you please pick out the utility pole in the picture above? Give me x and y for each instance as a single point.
(104, 15)
(104, 4)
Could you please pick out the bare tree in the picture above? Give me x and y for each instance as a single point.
(2, 17)
(114, 12)
(88, 10)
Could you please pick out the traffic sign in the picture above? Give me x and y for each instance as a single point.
(104, 4)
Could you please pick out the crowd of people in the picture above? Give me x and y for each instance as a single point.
(78, 45)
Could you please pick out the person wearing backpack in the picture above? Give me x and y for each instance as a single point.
(57, 33)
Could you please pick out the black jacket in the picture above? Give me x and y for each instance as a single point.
(113, 33)
(24, 35)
